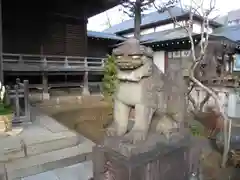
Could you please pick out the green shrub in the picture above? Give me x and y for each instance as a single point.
(196, 130)
(5, 107)
(110, 77)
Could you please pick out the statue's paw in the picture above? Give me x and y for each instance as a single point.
(111, 131)
(166, 124)
(114, 130)
(136, 136)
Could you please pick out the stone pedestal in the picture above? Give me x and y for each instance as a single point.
(156, 158)
(46, 96)
(6, 123)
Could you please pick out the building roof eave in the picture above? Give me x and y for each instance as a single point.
(103, 35)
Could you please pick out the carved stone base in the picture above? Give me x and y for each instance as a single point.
(6, 122)
(155, 158)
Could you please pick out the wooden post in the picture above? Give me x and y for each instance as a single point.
(20, 61)
(66, 62)
(17, 105)
(45, 86)
(44, 60)
(1, 46)
(85, 91)
(26, 100)
(103, 62)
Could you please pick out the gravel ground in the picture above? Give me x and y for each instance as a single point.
(89, 117)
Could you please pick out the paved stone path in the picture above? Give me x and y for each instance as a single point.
(81, 171)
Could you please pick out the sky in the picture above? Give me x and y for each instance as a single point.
(116, 15)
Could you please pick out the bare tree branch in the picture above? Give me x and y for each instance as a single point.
(148, 2)
(205, 100)
(197, 8)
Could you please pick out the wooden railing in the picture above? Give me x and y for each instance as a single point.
(45, 62)
(19, 99)
(64, 85)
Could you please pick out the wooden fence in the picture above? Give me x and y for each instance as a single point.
(18, 96)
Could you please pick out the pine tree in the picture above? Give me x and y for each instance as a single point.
(135, 9)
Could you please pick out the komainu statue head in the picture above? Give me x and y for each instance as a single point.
(131, 55)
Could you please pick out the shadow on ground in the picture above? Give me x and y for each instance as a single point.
(90, 117)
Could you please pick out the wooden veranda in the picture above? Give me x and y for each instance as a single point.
(47, 37)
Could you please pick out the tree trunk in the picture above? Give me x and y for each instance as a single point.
(137, 19)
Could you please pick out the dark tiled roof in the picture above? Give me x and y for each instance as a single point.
(226, 33)
(230, 32)
(104, 35)
(151, 18)
(171, 34)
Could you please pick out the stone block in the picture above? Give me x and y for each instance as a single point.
(42, 143)
(48, 161)
(11, 148)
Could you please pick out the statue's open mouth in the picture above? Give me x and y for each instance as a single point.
(132, 64)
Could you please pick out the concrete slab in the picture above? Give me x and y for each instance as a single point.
(34, 129)
(81, 171)
(41, 143)
(42, 176)
(48, 161)
(11, 148)
(3, 174)
(50, 124)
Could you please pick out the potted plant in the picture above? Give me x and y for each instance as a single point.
(6, 112)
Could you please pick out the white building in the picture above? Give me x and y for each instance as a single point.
(160, 27)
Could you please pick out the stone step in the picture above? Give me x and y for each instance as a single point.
(22, 146)
(31, 165)
(50, 124)
(44, 143)
(11, 148)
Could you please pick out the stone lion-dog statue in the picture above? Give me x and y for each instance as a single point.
(140, 87)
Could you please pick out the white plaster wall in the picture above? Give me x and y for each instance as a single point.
(197, 28)
(159, 59)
